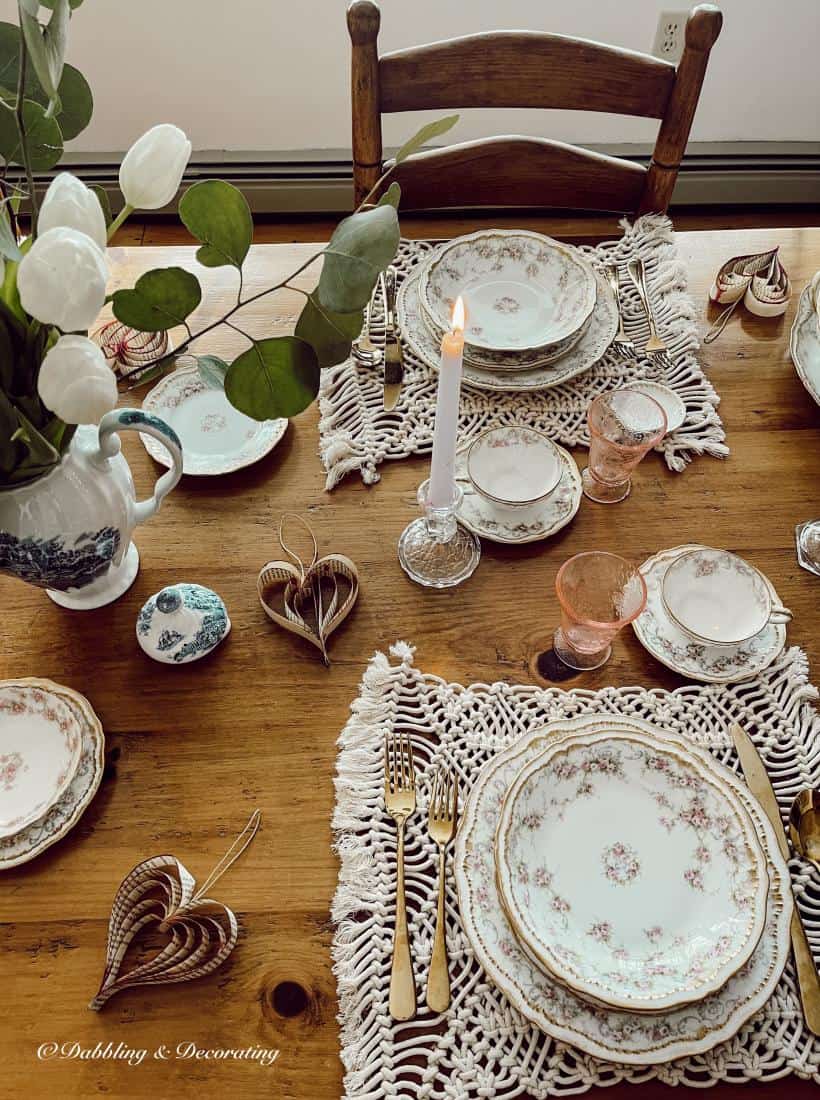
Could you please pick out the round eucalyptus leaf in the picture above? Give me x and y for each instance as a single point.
(391, 197)
(159, 300)
(361, 247)
(218, 214)
(212, 370)
(330, 334)
(275, 377)
(45, 142)
(76, 100)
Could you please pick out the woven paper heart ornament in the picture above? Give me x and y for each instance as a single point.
(759, 281)
(312, 599)
(160, 895)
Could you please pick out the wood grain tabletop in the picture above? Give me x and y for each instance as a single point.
(192, 751)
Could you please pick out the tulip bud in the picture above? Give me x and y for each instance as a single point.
(62, 278)
(75, 382)
(152, 169)
(69, 203)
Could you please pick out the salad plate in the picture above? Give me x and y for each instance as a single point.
(637, 1039)
(804, 342)
(40, 744)
(531, 523)
(64, 814)
(673, 647)
(596, 338)
(522, 291)
(216, 437)
(630, 871)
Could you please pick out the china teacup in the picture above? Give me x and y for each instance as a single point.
(718, 598)
(514, 467)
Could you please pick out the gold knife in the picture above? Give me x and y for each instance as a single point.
(393, 358)
(761, 787)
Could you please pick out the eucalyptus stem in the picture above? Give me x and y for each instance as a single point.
(21, 128)
(223, 320)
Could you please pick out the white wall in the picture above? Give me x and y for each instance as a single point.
(273, 75)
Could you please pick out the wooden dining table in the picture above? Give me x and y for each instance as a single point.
(192, 751)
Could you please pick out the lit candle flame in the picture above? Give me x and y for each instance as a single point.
(458, 315)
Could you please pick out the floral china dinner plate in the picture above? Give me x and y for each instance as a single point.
(616, 1036)
(596, 339)
(804, 343)
(66, 812)
(517, 526)
(216, 437)
(673, 647)
(40, 745)
(630, 871)
(522, 291)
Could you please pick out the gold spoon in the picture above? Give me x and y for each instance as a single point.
(804, 825)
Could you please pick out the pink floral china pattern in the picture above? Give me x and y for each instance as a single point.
(617, 1036)
(59, 818)
(673, 647)
(522, 291)
(598, 334)
(216, 437)
(630, 871)
(40, 742)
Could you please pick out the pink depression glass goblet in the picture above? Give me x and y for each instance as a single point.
(599, 594)
(623, 426)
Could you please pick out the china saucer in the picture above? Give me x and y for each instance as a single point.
(716, 664)
(668, 400)
(517, 526)
(216, 437)
(40, 745)
(64, 814)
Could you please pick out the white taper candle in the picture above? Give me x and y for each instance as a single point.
(445, 432)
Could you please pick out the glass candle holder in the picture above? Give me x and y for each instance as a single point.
(599, 594)
(435, 550)
(623, 426)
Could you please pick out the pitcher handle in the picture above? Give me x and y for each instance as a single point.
(137, 420)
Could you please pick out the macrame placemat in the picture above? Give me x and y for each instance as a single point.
(357, 434)
(483, 1047)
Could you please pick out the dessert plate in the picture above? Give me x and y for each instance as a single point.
(522, 291)
(516, 526)
(67, 810)
(617, 1036)
(596, 339)
(216, 437)
(630, 870)
(40, 743)
(673, 647)
(804, 343)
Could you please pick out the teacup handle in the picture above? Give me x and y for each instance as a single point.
(780, 614)
(137, 420)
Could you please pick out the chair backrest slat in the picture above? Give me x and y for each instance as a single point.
(524, 69)
(518, 171)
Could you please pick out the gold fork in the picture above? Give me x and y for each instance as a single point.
(621, 340)
(635, 270)
(441, 824)
(400, 801)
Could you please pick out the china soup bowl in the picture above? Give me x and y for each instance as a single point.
(718, 598)
(514, 467)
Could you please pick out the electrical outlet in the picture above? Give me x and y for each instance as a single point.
(669, 35)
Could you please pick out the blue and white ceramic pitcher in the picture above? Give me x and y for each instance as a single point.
(70, 531)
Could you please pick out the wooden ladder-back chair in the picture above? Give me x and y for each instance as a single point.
(525, 69)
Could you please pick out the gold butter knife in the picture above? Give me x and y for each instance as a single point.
(393, 358)
(761, 787)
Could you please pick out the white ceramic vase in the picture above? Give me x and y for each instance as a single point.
(70, 531)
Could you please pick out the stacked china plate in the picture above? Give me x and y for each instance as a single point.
(623, 889)
(538, 313)
(51, 763)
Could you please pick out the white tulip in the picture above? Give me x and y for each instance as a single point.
(62, 278)
(151, 170)
(75, 382)
(68, 202)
